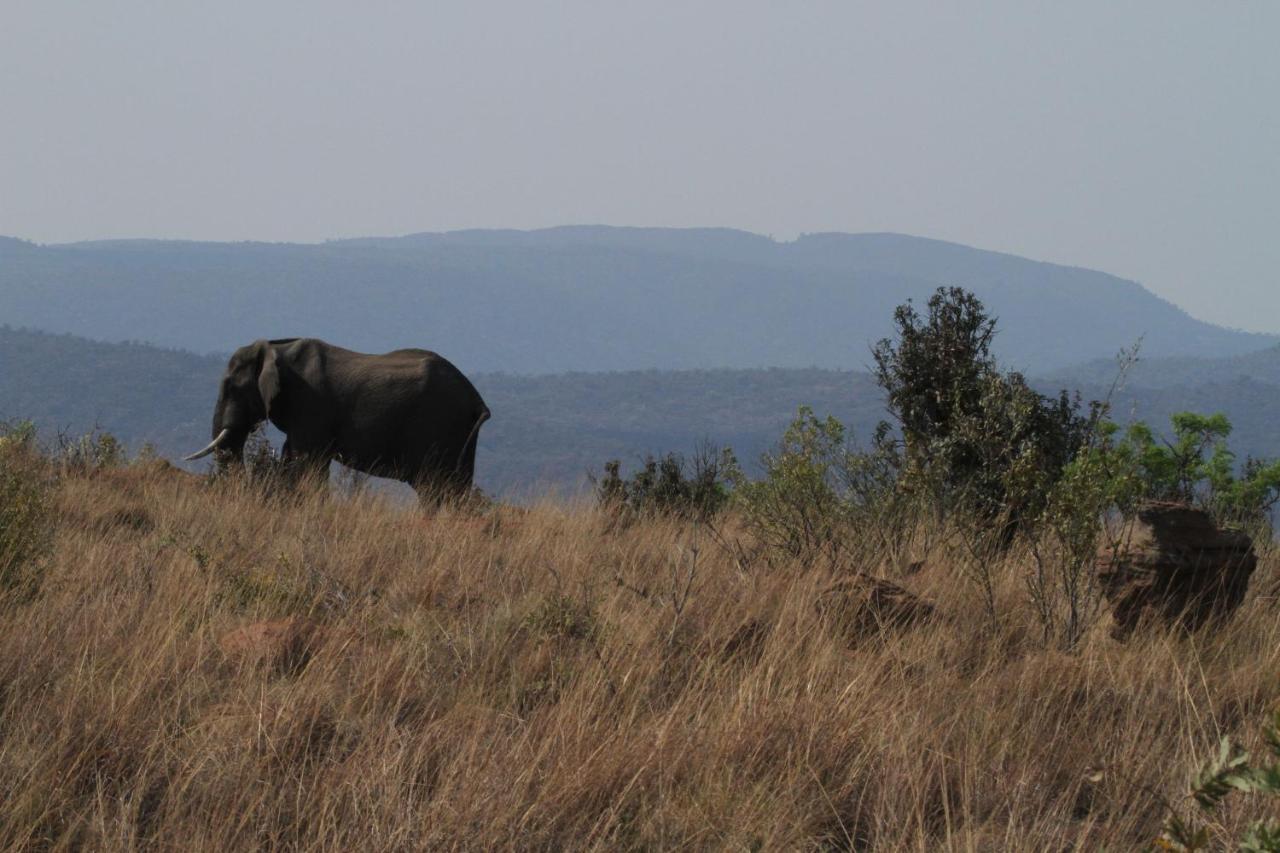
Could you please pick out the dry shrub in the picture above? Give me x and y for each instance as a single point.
(25, 517)
(520, 680)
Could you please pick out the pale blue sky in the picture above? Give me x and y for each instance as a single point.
(1141, 138)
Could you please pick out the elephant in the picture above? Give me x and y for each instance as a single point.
(408, 415)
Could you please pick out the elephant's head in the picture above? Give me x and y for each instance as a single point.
(249, 386)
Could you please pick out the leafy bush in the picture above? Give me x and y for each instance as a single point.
(819, 494)
(17, 434)
(668, 485)
(1063, 584)
(933, 374)
(1198, 467)
(1109, 476)
(1231, 771)
(26, 512)
(799, 506)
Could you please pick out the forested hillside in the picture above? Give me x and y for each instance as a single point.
(138, 392)
(1262, 365)
(586, 299)
(548, 431)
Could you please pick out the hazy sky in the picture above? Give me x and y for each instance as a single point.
(1142, 138)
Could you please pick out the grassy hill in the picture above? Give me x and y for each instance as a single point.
(585, 298)
(548, 679)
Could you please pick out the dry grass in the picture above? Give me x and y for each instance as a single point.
(487, 682)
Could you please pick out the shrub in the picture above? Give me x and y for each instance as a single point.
(1063, 584)
(17, 435)
(933, 373)
(670, 485)
(799, 506)
(1198, 467)
(820, 495)
(1110, 475)
(1231, 771)
(92, 451)
(26, 514)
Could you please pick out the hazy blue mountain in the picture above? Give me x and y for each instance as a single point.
(585, 298)
(548, 431)
(1262, 366)
(138, 392)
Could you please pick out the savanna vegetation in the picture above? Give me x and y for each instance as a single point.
(888, 644)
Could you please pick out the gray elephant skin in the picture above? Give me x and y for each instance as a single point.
(408, 415)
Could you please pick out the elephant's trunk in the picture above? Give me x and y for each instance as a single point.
(212, 446)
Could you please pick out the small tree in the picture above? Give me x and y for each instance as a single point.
(933, 374)
(977, 439)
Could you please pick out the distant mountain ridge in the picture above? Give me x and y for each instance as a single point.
(1260, 366)
(587, 298)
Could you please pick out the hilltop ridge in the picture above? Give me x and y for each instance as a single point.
(588, 298)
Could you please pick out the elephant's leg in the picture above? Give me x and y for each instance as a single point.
(435, 489)
(430, 495)
(305, 466)
(438, 488)
(313, 469)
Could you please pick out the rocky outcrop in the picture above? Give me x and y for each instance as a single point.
(284, 645)
(860, 606)
(1173, 563)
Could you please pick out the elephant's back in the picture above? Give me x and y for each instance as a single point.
(430, 372)
(436, 367)
(421, 362)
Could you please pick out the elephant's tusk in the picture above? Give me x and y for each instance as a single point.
(213, 445)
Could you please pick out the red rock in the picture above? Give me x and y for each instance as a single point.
(860, 606)
(286, 645)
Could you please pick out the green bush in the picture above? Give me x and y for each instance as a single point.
(1062, 583)
(17, 434)
(1198, 467)
(819, 495)
(697, 488)
(1110, 476)
(799, 506)
(26, 513)
(933, 373)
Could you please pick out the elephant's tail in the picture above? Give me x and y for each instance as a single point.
(468, 448)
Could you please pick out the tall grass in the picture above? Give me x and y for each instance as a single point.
(546, 679)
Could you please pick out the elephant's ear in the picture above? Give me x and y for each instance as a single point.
(270, 382)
